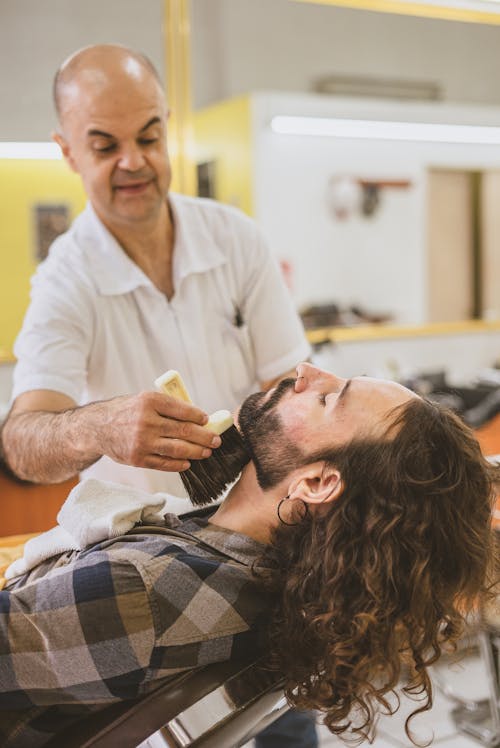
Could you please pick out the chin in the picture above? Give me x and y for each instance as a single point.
(136, 213)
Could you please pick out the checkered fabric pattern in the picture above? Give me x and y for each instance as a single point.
(109, 623)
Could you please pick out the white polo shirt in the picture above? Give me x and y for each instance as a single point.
(97, 327)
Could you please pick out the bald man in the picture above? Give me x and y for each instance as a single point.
(142, 282)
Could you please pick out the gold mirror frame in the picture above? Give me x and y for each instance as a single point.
(425, 9)
(178, 78)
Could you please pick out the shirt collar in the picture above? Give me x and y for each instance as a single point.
(112, 269)
(233, 544)
(195, 248)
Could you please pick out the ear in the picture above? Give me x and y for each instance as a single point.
(63, 144)
(317, 484)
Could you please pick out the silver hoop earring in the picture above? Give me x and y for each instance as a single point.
(291, 524)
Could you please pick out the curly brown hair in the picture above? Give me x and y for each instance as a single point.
(387, 574)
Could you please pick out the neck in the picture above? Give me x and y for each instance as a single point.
(248, 509)
(150, 245)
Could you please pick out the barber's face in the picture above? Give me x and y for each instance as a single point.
(315, 411)
(115, 138)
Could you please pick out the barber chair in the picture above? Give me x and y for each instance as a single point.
(481, 719)
(218, 706)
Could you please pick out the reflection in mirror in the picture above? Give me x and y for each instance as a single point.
(368, 220)
(323, 60)
(352, 241)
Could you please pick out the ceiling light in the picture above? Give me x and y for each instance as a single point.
(30, 150)
(384, 130)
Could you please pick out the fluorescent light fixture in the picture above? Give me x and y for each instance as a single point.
(30, 150)
(382, 130)
(480, 11)
(483, 6)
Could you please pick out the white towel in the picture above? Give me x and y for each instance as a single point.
(48, 544)
(94, 510)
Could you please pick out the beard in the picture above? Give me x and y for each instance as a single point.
(272, 452)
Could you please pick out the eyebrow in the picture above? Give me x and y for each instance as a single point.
(101, 134)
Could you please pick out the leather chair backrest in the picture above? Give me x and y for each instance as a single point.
(218, 706)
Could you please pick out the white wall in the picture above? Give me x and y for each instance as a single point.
(285, 45)
(37, 35)
(239, 46)
(462, 356)
(377, 262)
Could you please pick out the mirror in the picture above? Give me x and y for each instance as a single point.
(376, 225)
(357, 223)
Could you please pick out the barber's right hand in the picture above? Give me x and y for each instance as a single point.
(154, 430)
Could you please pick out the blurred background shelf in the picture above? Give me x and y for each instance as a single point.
(384, 331)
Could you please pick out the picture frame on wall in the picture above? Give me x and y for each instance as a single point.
(50, 220)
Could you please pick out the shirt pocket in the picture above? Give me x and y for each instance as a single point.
(239, 358)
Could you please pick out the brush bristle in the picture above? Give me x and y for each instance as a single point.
(206, 480)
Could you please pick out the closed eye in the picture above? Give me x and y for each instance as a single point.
(104, 147)
(322, 398)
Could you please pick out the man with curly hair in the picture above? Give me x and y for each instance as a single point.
(357, 537)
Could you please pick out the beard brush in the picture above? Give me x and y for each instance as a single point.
(206, 480)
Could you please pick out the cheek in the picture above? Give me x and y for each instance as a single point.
(101, 177)
(92, 172)
(296, 425)
(311, 431)
(161, 162)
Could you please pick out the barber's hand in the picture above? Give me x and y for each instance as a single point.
(154, 430)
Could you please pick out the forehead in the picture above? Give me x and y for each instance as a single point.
(369, 407)
(91, 101)
(381, 389)
(363, 408)
(368, 402)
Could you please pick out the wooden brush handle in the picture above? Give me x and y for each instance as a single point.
(171, 384)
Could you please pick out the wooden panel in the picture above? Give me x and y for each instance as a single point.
(384, 331)
(449, 257)
(27, 507)
(490, 215)
(488, 436)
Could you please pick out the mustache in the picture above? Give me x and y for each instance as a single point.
(281, 389)
(125, 177)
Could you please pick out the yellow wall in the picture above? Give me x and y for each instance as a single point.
(223, 132)
(23, 184)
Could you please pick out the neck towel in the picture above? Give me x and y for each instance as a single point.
(94, 511)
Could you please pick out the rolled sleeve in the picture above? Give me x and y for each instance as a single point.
(54, 343)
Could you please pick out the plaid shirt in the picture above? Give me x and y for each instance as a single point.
(108, 623)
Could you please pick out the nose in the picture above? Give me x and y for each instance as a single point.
(131, 158)
(309, 375)
(306, 375)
